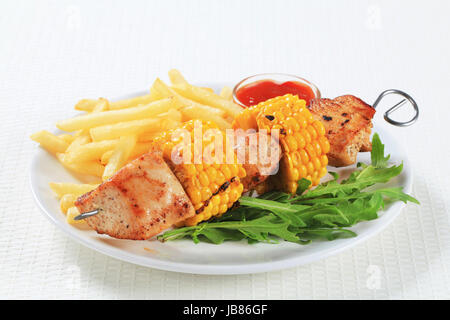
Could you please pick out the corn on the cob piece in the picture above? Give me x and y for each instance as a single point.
(302, 139)
(213, 188)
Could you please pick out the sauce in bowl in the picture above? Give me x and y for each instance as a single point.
(259, 88)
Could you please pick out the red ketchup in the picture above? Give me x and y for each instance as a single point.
(259, 91)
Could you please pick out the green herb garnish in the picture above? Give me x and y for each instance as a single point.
(321, 213)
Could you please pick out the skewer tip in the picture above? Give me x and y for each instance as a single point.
(88, 214)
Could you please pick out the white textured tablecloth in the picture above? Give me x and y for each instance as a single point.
(53, 53)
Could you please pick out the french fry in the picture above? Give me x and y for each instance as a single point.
(82, 138)
(90, 151)
(75, 189)
(86, 105)
(176, 77)
(91, 105)
(105, 157)
(192, 112)
(133, 102)
(227, 93)
(170, 123)
(156, 94)
(67, 138)
(134, 127)
(146, 137)
(50, 142)
(208, 89)
(72, 212)
(203, 96)
(165, 91)
(162, 89)
(171, 114)
(139, 149)
(80, 133)
(92, 168)
(114, 116)
(67, 201)
(117, 130)
(119, 156)
(102, 105)
(201, 108)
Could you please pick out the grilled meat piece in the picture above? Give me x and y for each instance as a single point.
(348, 122)
(365, 111)
(260, 155)
(139, 201)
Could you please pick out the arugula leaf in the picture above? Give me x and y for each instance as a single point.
(361, 209)
(255, 229)
(397, 194)
(328, 234)
(285, 211)
(218, 236)
(323, 216)
(275, 196)
(303, 185)
(377, 154)
(361, 180)
(393, 194)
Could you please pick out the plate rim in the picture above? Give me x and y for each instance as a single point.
(209, 269)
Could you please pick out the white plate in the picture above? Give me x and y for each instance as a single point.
(228, 258)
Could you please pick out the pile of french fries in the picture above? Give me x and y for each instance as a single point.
(111, 134)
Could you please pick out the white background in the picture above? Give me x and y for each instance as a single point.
(53, 53)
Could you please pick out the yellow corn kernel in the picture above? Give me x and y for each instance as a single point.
(206, 194)
(214, 212)
(317, 163)
(223, 208)
(310, 167)
(312, 131)
(227, 173)
(324, 144)
(303, 171)
(190, 169)
(234, 195)
(307, 136)
(324, 160)
(203, 178)
(220, 177)
(195, 195)
(319, 128)
(301, 142)
(304, 156)
(224, 199)
(215, 201)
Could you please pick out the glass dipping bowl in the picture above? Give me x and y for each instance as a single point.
(277, 77)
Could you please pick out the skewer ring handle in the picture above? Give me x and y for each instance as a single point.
(398, 105)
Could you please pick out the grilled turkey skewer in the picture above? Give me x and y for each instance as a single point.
(145, 197)
(155, 192)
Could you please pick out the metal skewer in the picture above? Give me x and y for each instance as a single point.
(397, 106)
(88, 214)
